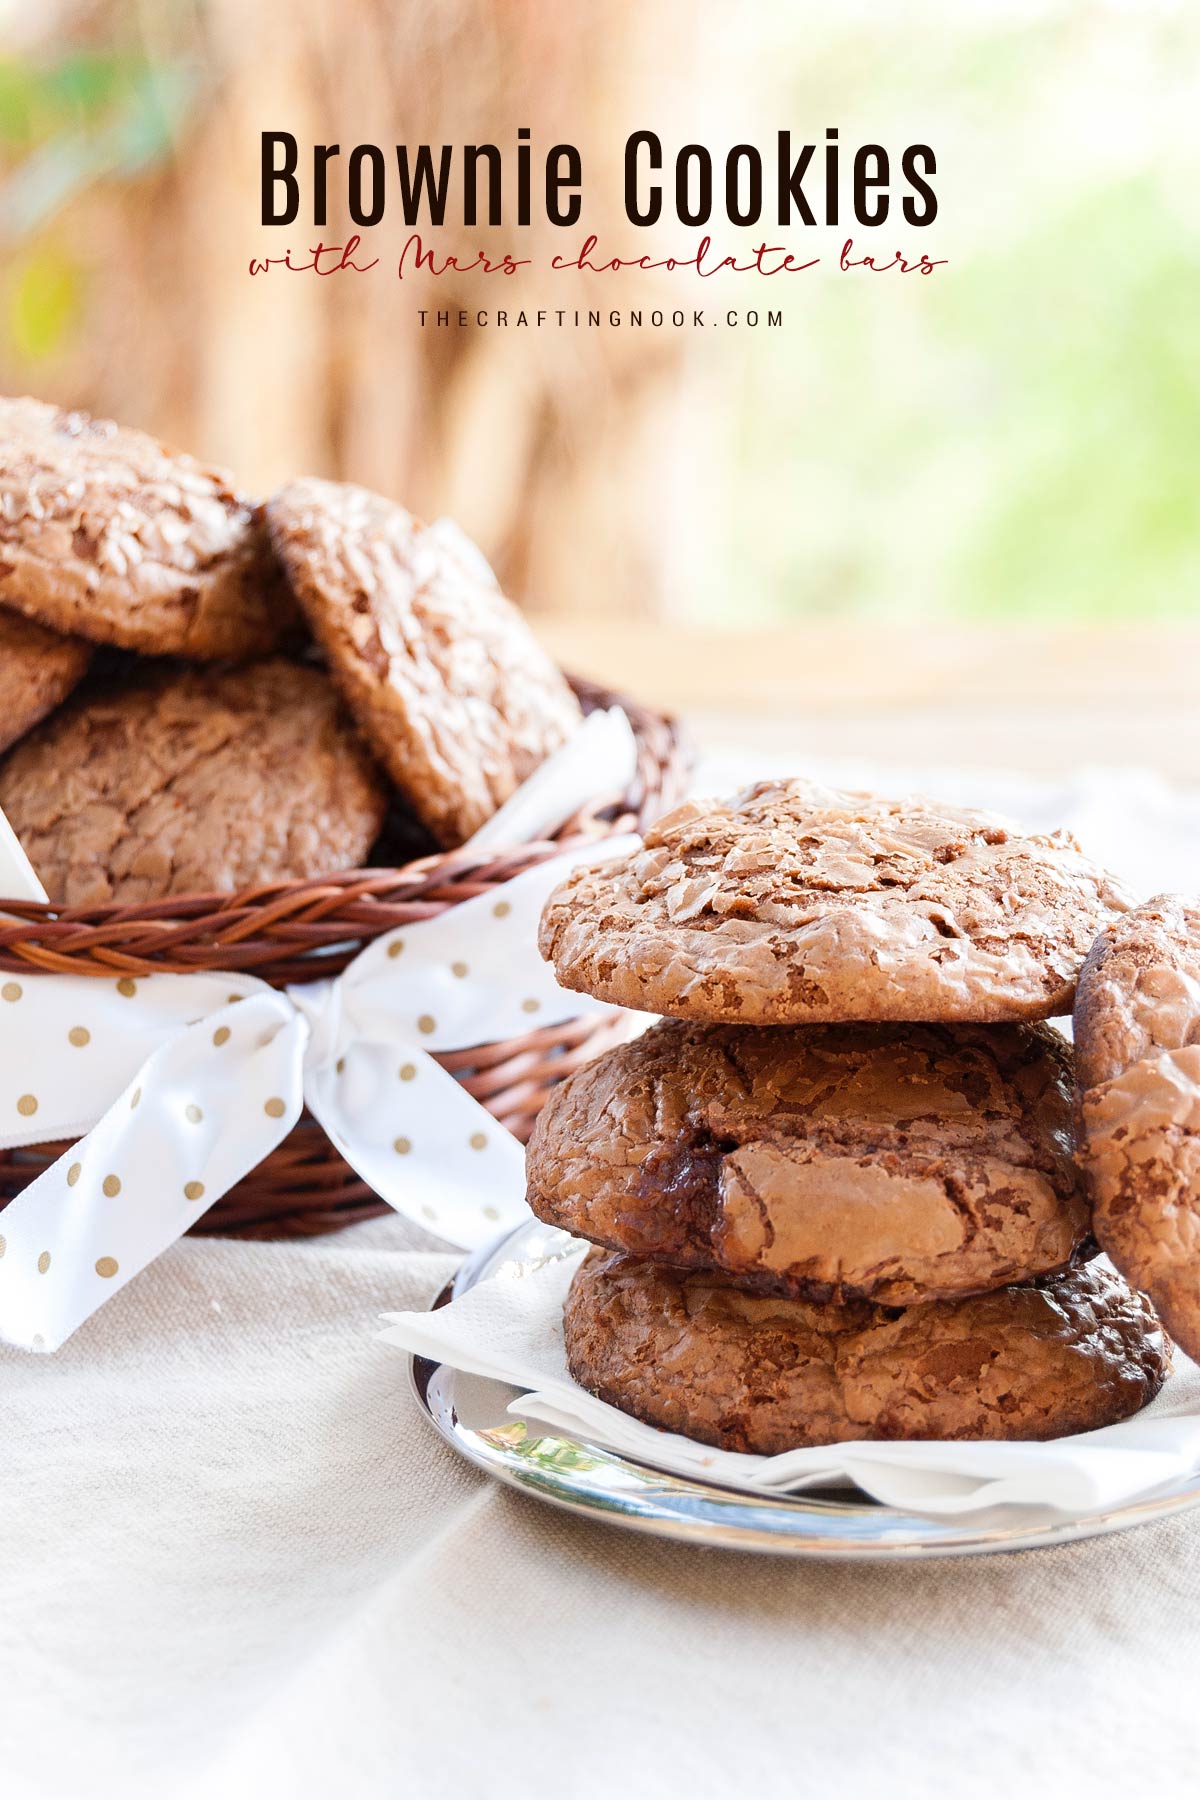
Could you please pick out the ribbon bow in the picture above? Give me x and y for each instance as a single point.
(184, 1083)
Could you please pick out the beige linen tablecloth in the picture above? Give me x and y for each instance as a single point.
(235, 1560)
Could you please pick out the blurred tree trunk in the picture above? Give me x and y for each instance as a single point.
(564, 451)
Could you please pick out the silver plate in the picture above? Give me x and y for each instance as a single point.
(470, 1413)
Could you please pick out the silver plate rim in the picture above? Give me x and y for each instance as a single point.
(599, 1484)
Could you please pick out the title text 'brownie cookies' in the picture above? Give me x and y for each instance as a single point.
(831, 1162)
(1137, 1029)
(799, 904)
(449, 685)
(193, 782)
(107, 535)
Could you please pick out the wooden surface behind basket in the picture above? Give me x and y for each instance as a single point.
(298, 931)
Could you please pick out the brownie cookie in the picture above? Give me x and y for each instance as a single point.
(193, 782)
(106, 534)
(1137, 1029)
(38, 669)
(691, 1354)
(1139, 989)
(898, 1163)
(798, 904)
(451, 688)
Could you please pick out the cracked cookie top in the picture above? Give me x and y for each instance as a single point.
(898, 1163)
(796, 903)
(451, 688)
(106, 534)
(1139, 989)
(1137, 1032)
(193, 782)
(692, 1354)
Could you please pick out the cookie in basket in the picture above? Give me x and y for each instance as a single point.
(1137, 1032)
(107, 535)
(38, 669)
(898, 1163)
(449, 685)
(692, 1354)
(800, 904)
(193, 781)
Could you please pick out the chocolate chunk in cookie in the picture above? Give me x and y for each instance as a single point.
(691, 1354)
(449, 685)
(1137, 1033)
(830, 1162)
(193, 782)
(38, 669)
(105, 534)
(799, 904)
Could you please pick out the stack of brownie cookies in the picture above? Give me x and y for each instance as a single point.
(835, 1192)
(198, 693)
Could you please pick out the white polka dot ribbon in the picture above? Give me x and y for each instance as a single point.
(178, 1085)
(184, 1083)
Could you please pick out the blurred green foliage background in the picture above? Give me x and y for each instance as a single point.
(1017, 439)
(73, 114)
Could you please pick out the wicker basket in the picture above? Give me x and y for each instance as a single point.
(299, 930)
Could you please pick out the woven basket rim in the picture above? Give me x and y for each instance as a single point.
(297, 931)
(287, 931)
